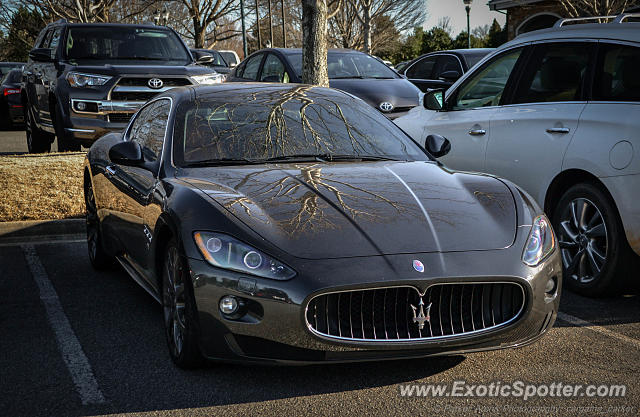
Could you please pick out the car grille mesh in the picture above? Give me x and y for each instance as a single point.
(385, 314)
(120, 117)
(133, 95)
(142, 82)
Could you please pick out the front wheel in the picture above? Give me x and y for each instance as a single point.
(97, 255)
(592, 241)
(37, 140)
(178, 304)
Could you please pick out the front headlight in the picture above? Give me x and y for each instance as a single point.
(223, 251)
(541, 242)
(80, 80)
(209, 79)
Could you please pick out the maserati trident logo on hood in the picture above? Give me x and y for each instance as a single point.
(422, 316)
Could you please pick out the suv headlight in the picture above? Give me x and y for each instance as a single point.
(80, 80)
(209, 79)
(223, 251)
(541, 242)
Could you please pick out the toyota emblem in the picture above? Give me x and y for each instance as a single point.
(155, 83)
(386, 106)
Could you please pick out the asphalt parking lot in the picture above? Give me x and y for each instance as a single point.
(79, 342)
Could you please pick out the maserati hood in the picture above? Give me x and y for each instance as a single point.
(332, 210)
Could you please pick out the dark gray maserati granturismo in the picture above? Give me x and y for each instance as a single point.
(297, 224)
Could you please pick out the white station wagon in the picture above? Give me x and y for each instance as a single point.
(557, 111)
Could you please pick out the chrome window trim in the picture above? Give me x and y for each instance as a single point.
(324, 336)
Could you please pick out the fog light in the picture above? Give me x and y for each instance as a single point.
(228, 304)
(550, 287)
(81, 106)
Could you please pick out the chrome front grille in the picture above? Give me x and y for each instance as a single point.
(137, 88)
(386, 314)
(120, 117)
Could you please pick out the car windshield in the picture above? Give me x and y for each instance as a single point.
(14, 77)
(125, 44)
(348, 65)
(295, 123)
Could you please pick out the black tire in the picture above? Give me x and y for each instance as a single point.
(97, 255)
(66, 142)
(593, 246)
(179, 310)
(37, 140)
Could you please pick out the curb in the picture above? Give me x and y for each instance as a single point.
(41, 228)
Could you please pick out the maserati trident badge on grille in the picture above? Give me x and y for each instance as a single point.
(421, 317)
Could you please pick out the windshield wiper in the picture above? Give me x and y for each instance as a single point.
(222, 161)
(327, 157)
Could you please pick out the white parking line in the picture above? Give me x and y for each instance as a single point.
(68, 344)
(583, 323)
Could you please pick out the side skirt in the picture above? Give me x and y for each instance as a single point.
(137, 278)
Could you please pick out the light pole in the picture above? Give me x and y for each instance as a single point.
(244, 29)
(467, 7)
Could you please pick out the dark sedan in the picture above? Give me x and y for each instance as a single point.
(11, 111)
(443, 68)
(286, 223)
(354, 72)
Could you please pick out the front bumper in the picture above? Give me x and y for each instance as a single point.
(88, 126)
(276, 330)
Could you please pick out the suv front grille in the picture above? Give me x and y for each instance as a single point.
(386, 314)
(120, 117)
(142, 82)
(133, 95)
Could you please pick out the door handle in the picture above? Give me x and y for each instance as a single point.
(558, 130)
(477, 132)
(110, 170)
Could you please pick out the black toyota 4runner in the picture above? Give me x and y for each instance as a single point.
(85, 80)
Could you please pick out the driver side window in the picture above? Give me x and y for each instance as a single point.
(149, 129)
(485, 88)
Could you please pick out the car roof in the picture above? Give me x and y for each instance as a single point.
(295, 51)
(114, 25)
(628, 31)
(232, 89)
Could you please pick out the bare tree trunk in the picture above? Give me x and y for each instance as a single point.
(314, 42)
(198, 34)
(367, 28)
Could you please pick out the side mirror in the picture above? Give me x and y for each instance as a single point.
(202, 58)
(126, 153)
(434, 100)
(450, 75)
(41, 54)
(437, 145)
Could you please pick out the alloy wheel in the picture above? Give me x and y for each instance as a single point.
(174, 302)
(583, 240)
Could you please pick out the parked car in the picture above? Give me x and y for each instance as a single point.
(557, 111)
(85, 80)
(351, 71)
(217, 63)
(402, 65)
(441, 69)
(11, 112)
(291, 223)
(5, 67)
(230, 57)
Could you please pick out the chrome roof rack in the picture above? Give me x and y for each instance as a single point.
(614, 19)
(562, 22)
(624, 16)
